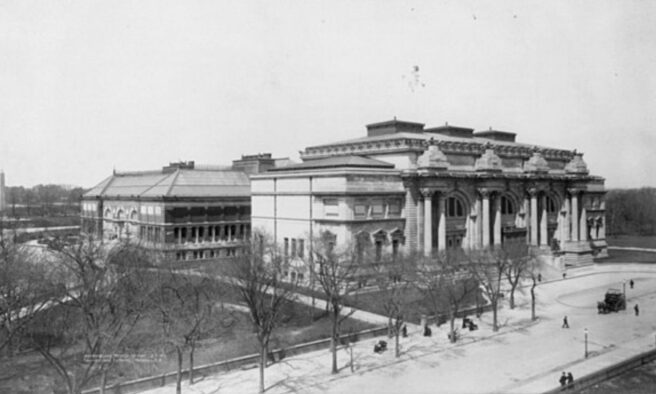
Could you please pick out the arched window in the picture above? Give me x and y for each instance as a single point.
(551, 205)
(507, 206)
(454, 208)
(133, 216)
(108, 213)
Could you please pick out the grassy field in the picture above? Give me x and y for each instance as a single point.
(630, 256)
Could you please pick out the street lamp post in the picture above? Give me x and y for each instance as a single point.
(585, 331)
(624, 290)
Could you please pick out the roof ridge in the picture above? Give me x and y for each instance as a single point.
(156, 183)
(175, 178)
(109, 182)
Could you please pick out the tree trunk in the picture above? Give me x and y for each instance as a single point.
(396, 336)
(263, 362)
(512, 295)
(178, 377)
(191, 362)
(495, 324)
(333, 340)
(452, 327)
(533, 317)
(103, 381)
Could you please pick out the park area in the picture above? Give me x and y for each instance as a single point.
(524, 356)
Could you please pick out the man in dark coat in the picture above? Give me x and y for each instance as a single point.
(565, 323)
(570, 379)
(636, 309)
(563, 379)
(631, 283)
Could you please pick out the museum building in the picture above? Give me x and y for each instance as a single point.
(405, 187)
(189, 212)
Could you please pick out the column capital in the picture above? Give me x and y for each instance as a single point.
(484, 192)
(427, 192)
(533, 191)
(574, 190)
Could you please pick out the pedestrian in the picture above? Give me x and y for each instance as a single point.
(565, 323)
(636, 309)
(539, 277)
(570, 379)
(404, 331)
(563, 379)
(631, 283)
(564, 275)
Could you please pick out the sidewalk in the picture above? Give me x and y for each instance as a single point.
(523, 357)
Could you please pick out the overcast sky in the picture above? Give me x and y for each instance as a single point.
(88, 86)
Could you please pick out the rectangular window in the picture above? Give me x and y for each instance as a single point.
(293, 252)
(360, 209)
(286, 248)
(377, 208)
(331, 207)
(301, 248)
(395, 207)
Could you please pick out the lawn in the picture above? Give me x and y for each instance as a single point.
(29, 373)
(633, 241)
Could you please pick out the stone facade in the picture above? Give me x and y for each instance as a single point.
(411, 188)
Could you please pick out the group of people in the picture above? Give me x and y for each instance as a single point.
(566, 379)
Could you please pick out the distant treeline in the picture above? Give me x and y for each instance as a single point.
(631, 211)
(43, 200)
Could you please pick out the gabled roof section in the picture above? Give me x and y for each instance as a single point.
(336, 162)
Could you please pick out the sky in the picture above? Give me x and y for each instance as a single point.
(91, 86)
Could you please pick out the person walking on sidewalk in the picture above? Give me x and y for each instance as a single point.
(570, 380)
(563, 379)
(565, 323)
(636, 309)
(631, 283)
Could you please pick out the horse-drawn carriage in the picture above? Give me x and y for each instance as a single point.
(614, 301)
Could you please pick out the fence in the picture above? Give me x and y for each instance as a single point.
(235, 363)
(608, 372)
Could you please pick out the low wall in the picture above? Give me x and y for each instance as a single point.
(250, 361)
(608, 372)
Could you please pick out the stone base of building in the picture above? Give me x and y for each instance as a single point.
(577, 253)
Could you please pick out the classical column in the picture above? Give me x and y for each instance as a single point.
(441, 229)
(485, 194)
(584, 224)
(420, 224)
(497, 220)
(566, 235)
(602, 228)
(534, 216)
(543, 222)
(180, 235)
(476, 228)
(575, 214)
(428, 221)
(411, 218)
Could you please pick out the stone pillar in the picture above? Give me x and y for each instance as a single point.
(486, 217)
(584, 225)
(441, 229)
(575, 215)
(602, 228)
(410, 218)
(566, 235)
(477, 223)
(420, 224)
(180, 235)
(543, 222)
(534, 216)
(497, 220)
(428, 221)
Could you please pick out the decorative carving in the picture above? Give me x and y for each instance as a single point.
(577, 165)
(489, 161)
(484, 192)
(536, 163)
(427, 192)
(433, 159)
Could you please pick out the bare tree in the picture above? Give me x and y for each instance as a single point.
(23, 289)
(487, 267)
(257, 274)
(99, 306)
(185, 308)
(447, 281)
(516, 254)
(337, 270)
(533, 273)
(394, 275)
